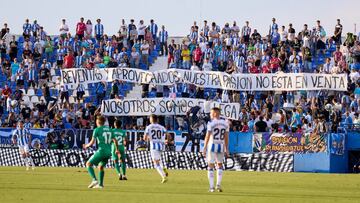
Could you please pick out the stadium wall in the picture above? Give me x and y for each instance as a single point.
(142, 159)
(240, 143)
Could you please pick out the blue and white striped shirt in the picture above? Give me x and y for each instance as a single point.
(116, 56)
(42, 35)
(224, 55)
(99, 29)
(75, 46)
(235, 54)
(155, 133)
(78, 61)
(27, 28)
(20, 74)
(235, 41)
(122, 55)
(35, 27)
(240, 63)
(60, 54)
(80, 88)
(246, 31)
(205, 30)
(153, 29)
(32, 73)
(263, 47)
(110, 50)
(22, 136)
(65, 45)
(265, 58)
(193, 35)
(163, 35)
(27, 125)
(209, 53)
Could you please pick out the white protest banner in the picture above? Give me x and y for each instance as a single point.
(265, 82)
(164, 106)
(210, 79)
(132, 75)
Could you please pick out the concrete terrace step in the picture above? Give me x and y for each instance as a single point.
(160, 64)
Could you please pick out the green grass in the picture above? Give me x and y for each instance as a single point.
(70, 185)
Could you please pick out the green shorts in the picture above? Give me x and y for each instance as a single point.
(100, 158)
(115, 157)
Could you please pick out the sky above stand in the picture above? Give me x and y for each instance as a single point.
(179, 15)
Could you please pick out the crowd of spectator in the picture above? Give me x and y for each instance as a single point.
(234, 49)
(31, 62)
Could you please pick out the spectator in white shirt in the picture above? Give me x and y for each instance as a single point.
(269, 121)
(207, 66)
(335, 69)
(145, 52)
(39, 45)
(134, 58)
(64, 29)
(283, 34)
(141, 30)
(194, 67)
(306, 41)
(354, 75)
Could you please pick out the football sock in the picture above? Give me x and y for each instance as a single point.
(123, 168)
(91, 172)
(160, 170)
(101, 177)
(117, 167)
(211, 177)
(219, 176)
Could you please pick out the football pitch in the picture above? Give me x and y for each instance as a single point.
(70, 185)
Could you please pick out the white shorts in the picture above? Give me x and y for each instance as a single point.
(213, 157)
(24, 149)
(155, 155)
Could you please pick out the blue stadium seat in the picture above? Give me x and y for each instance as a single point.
(38, 92)
(67, 125)
(21, 39)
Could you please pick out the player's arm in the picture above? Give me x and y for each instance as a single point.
(166, 138)
(116, 148)
(29, 136)
(14, 138)
(207, 137)
(124, 139)
(226, 140)
(124, 142)
(92, 141)
(146, 135)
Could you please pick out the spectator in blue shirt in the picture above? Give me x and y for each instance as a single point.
(275, 38)
(295, 119)
(14, 69)
(348, 120)
(100, 92)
